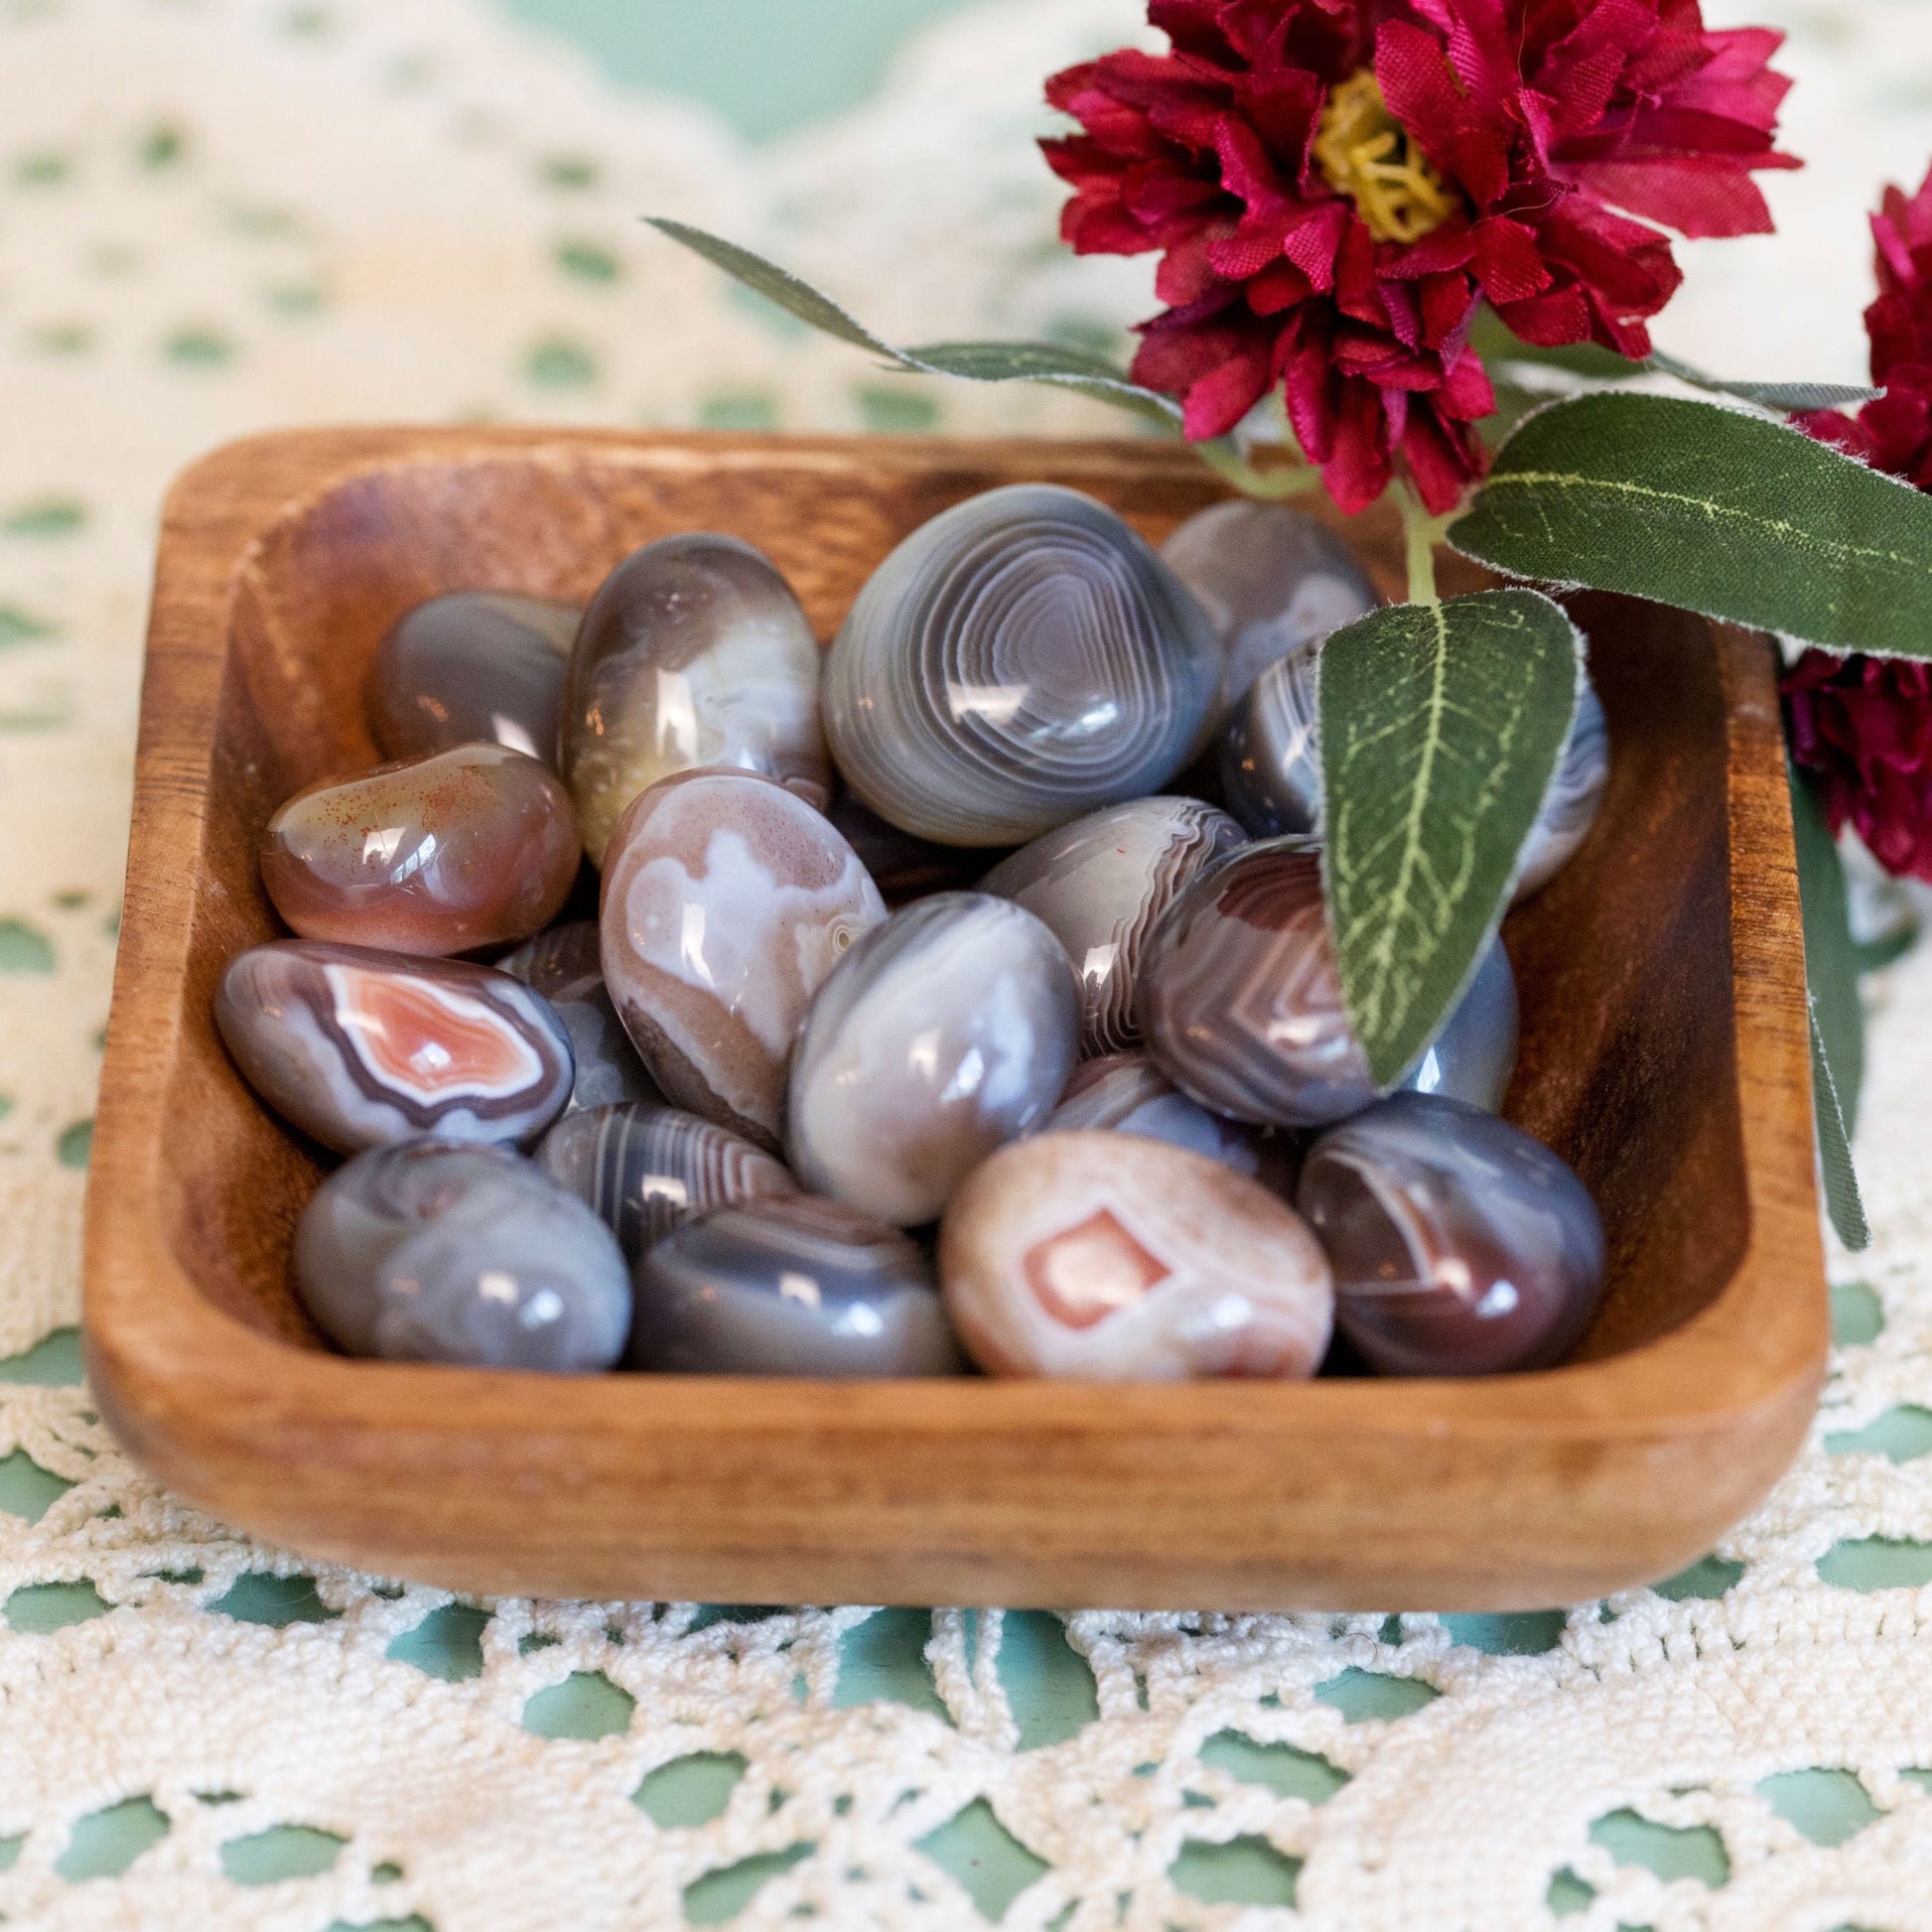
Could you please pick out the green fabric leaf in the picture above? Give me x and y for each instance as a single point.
(1442, 725)
(1769, 395)
(1842, 1201)
(1712, 510)
(1831, 955)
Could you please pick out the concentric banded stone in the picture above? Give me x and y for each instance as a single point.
(566, 966)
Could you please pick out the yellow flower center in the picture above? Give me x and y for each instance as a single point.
(1365, 153)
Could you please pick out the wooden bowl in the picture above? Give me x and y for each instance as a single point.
(1664, 1053)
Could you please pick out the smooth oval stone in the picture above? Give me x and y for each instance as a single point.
(1243, 1009)
(1271, 580)
(948, 1030)
(1100, 884)
(798, 1286)
(1106, 1258)
(357, 1047)
(1271, 769)
(644, 1170)
(468, 848)
(693, 652)
(727, 899)
(566, 965)
(476, 666)
(1459, 1245)
(435, 1252)
(1126, 1093)
(1020, 659)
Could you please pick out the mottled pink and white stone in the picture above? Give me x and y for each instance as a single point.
(727, 899)
(1110, 1258)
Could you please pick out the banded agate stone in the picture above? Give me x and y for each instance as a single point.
(948, 1030)
(1459, 1245)
(1020, 659)
(1108, 1258)
(644, 1170)
(566, 966)
(693, 652)
(358, 1048)
(727, 899)
(478, 667)
(1100, 884)
(1243, 1009)
(468, 848)
(435, 1252)
(799, 1287)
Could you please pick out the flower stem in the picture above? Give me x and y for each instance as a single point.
(1223, 455)
(1423, 533)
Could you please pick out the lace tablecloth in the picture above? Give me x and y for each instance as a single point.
(222, 215)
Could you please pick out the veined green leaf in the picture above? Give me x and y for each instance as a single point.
(1768, 395)
(1063, 366)
(1442, 725)
(1712, 510)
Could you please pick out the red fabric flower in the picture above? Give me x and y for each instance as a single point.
(1864, 725)
(1335, 183)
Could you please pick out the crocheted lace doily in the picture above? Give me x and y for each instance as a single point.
(217, 216)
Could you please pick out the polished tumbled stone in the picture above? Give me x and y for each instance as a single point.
(693, 652)
(1459, 1245)
(1575, 798)
(566, 966)
(1020, 660)
(466, 847)
(434, 1252)
(799, 1287)
(646, 1170)
(478, 667)
(1100, 884)
(1111, 1258)
(948, 1030)
(727, 899)
(358, 1047)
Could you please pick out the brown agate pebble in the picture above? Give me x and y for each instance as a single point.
(1110, 1258)
(475, 847)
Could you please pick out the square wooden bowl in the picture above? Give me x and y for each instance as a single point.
(1664, 1053)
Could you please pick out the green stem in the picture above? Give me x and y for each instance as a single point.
(1423, 533)
(1222, 455)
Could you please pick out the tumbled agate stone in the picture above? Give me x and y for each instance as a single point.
(644, 1170)
(360, 1048)
(1242, 1006)
(798, 1286)
(1271, 769)
(1272, 580)
(566, 966)
(1099, 885)
(468, 848)
(480, 665)
(1108, 1258)
(1020, 659)
(1126, 1093)
(1459, 1245)
(433, 1251)
(727, 899)
(693, 652)
(950, 1029)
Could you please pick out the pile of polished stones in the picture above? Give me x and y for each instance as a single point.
(1087, 1103)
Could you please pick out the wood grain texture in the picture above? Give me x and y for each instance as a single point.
(1664, 1053)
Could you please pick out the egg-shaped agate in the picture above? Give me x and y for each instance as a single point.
(1108, 1258)
(798, 1286)
(1126, 1093)
(949, 1030)
(1271, 580)
(566, 965)
(475, 667)
(727, 899)
(466, 848)
(1459, 1245)
(435, 1252)
(1100, 884)
(358, 1047)
(693, 652)
(1242, 1006)
(1019, 660)
(644, 1170)
(1271, 769)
